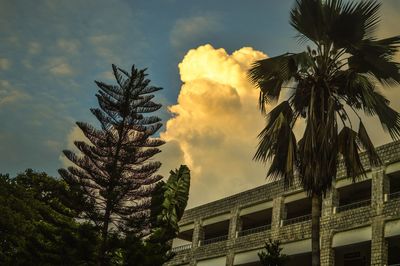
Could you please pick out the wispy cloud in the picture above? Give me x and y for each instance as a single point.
(188, 29)
(59, 66)
(10, 94)
(68, 46)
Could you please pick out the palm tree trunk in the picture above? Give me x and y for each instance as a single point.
(315, 229)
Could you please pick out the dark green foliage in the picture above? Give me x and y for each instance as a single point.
(272, 255)
(115, 172)
(168, 204)
(169, 200)
(38, 226)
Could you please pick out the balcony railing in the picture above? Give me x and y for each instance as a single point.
(297, 219)
(394, 195)
(182, 248)
(255, 230)
(214, 240)
(354, 205)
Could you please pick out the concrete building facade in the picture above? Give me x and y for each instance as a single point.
(360, 223)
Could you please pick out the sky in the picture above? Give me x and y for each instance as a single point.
(198, 51)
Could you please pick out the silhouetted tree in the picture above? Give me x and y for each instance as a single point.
(338, 75)
(114, 169)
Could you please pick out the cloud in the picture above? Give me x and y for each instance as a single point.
(75, 134)
(216, 123)
(68, 46)
(4, 64)
(10, 95)
(103, 45)
(59, 67)
(188, 29)
(171, 157)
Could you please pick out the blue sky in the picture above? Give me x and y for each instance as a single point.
(52, 51)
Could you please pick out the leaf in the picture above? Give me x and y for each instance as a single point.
(366, 142)
(272, 73)
(347, 146)
(303, 18)
(376, 57)
(169, 202)
(359, 92)
(353, 22)
(277, 141)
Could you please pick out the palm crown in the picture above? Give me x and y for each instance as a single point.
(339, 74)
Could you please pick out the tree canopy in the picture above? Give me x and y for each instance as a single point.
(38, 226)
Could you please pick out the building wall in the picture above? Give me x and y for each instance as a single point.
(336, 227)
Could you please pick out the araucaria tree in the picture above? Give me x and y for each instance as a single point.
(339, 74)
(114, 169)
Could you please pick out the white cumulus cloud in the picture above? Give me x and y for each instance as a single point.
(216, 123)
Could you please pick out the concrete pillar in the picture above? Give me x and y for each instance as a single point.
(198, 234)
(379, 245)
(235, 223)
(278, 213)
(380, 186)
(327, 252)
(230, 257)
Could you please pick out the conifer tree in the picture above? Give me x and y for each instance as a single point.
(115, 169)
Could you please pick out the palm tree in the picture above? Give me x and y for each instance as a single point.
(337, 75)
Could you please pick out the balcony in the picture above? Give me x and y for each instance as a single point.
(255, 230)
(255, 222)
(215, 232)
(394, 195)
(354, 196)
(296, 220)
(214, 240)
(354, 205)
(297, 211)
(181, 248)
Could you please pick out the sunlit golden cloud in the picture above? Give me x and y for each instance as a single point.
(216, 122)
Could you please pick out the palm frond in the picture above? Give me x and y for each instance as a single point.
(284, 161)
(303, 17)
(360, 92)
(349, 149)
(318, 152)
(376, 57)
(366, 143)
(277, 142)
(272, 73)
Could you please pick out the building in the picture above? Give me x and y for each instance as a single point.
(360, 223)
